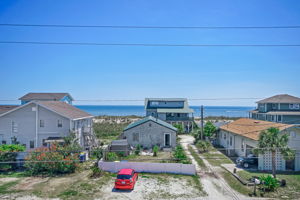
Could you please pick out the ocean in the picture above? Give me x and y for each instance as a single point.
(121, 110)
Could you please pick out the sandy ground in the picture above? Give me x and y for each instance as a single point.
(214, 185)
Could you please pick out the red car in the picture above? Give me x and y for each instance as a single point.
(126, 179)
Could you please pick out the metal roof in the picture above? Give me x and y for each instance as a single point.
(281, 98)
(150, 118)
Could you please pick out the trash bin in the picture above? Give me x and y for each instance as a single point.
(82, 157)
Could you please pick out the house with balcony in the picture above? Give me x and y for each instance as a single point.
(281, 108)
(171, 110)
(64, 97)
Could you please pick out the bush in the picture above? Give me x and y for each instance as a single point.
(180, 156)
(97, 153)
(155, 150)
(51, 161)
(203, 146)
(8, 152)
(96, 171)
(137, 149)
(179, 128)
(111, 156)
(269, 182)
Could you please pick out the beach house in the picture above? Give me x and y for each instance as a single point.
(171, 110)
(40, 122)
(240, 137)
(282, 108)
(150, 131)
(64, 97)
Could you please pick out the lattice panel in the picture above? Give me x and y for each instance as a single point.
(267, 161)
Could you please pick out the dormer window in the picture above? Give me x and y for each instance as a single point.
(154, 103)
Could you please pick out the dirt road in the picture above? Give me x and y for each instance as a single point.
(213, 183)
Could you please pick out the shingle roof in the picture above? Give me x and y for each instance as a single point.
(6, 108)
(64, 109)
(44, 96)
(281, 98)
(150, 118)
(251, 128)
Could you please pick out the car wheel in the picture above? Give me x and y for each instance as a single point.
(246, 165)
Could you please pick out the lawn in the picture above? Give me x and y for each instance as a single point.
(291, 191)
(216, 158)
(106, 132)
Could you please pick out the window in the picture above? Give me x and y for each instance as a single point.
(59, 123)
(224, 136)
(3, 142)
(178, 114)
(230, 141)
(154, 103)
(279, 118)
(136, 137)
(150, 124)
(42, 123)
(31, 144)
(294, 106)
(272, 118)
(273, 106)
(14, 127)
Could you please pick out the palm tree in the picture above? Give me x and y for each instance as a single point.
(271, 141)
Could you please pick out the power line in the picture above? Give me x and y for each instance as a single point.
(193, 99)
(148, 27)
(148, 45)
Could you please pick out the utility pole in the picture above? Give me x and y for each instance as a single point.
(202, 123)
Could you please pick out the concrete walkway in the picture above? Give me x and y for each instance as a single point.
(213, 183)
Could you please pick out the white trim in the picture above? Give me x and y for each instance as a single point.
(36, 126)
(169, 139)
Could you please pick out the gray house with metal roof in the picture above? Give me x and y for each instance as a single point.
(36, 123)
(171, 110)
(150, 131)
(281, 108)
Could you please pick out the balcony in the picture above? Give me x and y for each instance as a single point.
(170, 118)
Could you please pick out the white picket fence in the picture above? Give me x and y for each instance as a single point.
(171, 168)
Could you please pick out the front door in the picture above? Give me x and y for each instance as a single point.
(167, 140)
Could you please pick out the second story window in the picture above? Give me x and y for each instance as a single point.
(154, 103)
(136, 137)
(42, 123)
(294, 106)
(273, 106)
(14, 127)
(59, 123)
(279, 118)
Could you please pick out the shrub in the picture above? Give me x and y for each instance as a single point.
(8, 152)
(111, 156)
(180, 156)
(203, 146)
(97, 153)
(269, 182)
(96, 171)
(179, 128)
(51, 161)
(155, 150)
(137, 149)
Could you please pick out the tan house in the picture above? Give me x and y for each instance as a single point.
(241, 136)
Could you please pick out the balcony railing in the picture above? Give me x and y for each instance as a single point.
(179, 118)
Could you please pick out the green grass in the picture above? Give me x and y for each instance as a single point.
(13, 174)
(236, 184)
(107, 132)
(197, 158)
(5, 188)
(292, 189)
(216, 158)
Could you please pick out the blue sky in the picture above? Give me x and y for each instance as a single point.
(103, 72)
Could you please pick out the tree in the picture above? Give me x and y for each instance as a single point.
(271, 141)
(179, 128)
(209, 129)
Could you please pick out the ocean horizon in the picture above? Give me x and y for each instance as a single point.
(139, 110)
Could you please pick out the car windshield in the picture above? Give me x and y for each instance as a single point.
(123, 176)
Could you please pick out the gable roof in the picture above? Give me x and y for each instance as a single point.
(45, 96)
(64, 109)
(59, 107)
(251, 128)
(153, 119)
(6, 108)
(281, 98)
